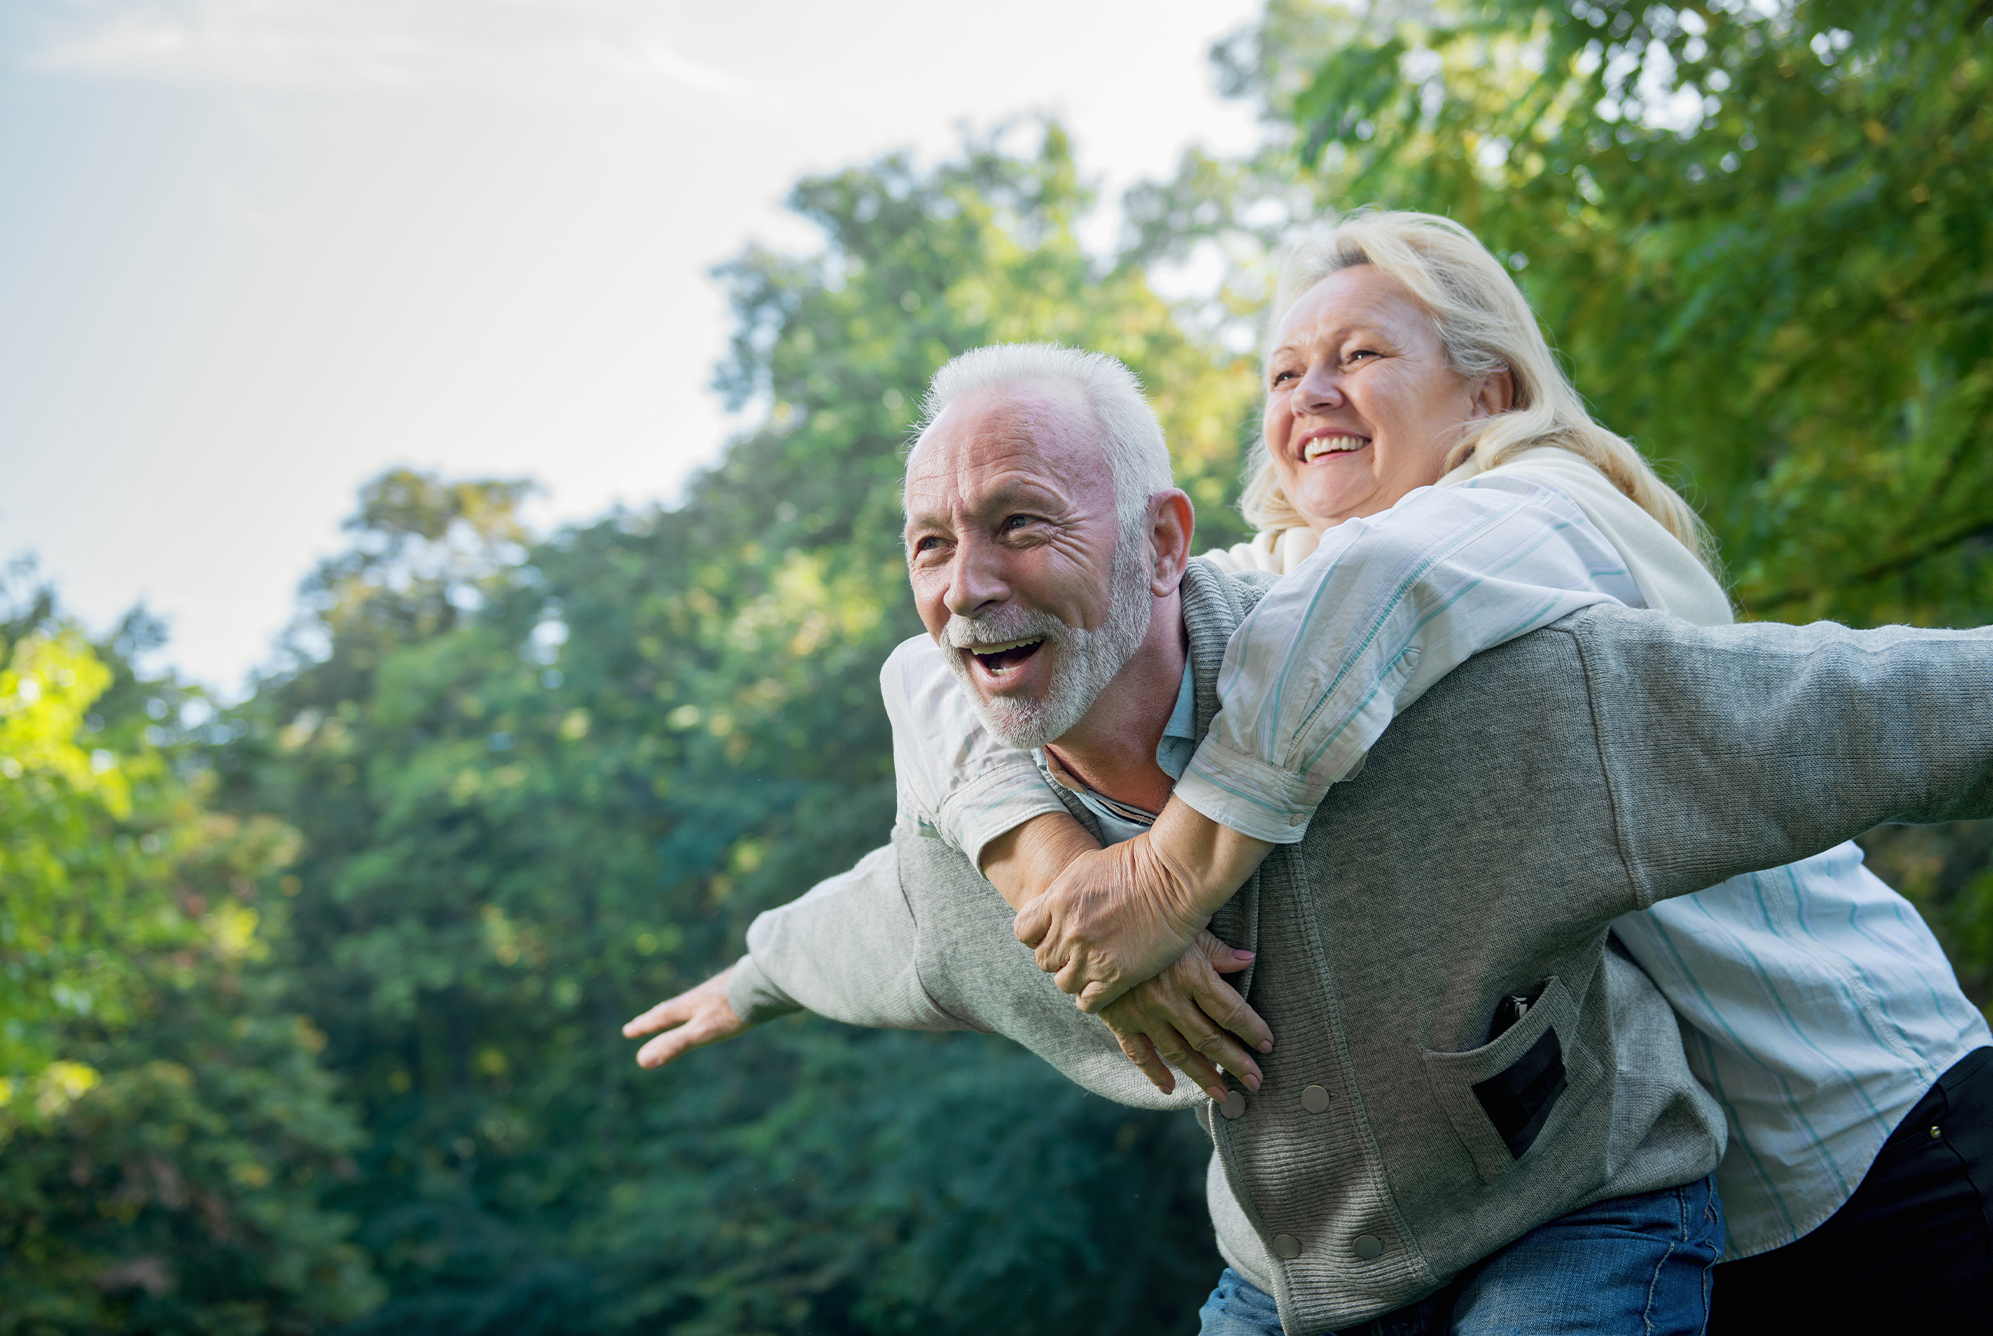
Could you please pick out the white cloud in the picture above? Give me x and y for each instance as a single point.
(560, 48)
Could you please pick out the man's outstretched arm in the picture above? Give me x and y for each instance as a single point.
(843, 950)
(1737, 748)
(846, 950)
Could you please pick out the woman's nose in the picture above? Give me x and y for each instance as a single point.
(1319, 391)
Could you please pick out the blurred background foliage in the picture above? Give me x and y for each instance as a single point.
(309, 1007)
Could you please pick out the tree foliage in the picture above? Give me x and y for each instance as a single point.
(164, 1126)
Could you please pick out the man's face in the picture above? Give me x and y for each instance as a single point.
(1012, 542)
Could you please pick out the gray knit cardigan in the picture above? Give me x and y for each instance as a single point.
(1538, 792)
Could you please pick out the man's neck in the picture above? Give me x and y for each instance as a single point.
(1112, 750)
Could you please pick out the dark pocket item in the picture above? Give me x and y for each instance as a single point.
(1518, 1101)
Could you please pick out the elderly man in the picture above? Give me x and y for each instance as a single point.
(1394, 1146)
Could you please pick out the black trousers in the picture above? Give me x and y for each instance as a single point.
(1912, 1250)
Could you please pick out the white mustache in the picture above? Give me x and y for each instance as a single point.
(1002, 627)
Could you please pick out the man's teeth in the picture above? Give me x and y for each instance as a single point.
(1004, 646)
(1331, 445)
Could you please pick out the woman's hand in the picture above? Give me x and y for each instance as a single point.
(1115, 917)
(1181, 1017)
(1118, 915)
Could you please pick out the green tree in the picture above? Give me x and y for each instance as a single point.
(165, 1132)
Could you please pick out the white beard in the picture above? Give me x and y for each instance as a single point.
(1086, 660)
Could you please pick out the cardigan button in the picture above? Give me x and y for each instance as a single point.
(1368, 1247)
(1315, 1099)
(1233, 1105)
(1286, 1247)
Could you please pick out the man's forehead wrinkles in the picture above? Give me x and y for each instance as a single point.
(979, 490)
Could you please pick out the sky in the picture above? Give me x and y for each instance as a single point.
(252, 252)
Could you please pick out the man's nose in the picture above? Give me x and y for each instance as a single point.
(978, 578)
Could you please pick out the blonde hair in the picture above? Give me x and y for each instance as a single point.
(1485, 324)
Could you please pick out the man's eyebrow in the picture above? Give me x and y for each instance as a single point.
(1027, 493)
(1016, 494)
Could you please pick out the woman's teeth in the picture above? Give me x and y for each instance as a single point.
(1332, 445)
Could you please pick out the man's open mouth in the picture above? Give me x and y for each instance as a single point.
(1000, 658)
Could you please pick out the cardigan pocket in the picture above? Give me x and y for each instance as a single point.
(1514, 1093)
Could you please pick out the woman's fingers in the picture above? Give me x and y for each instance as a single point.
(1142, 1053)
(1103, 926)
(1212, 1044)
(1216, 998)
(1229, 961)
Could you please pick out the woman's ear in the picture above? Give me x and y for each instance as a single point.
(1171, 523)
(1494, 393)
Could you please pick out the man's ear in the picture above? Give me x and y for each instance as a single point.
(1172, 521)
(1495, 393)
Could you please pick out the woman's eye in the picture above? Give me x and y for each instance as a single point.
(1282, 377)
(1361, 354)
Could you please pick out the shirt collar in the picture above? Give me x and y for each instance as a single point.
(1179, 740)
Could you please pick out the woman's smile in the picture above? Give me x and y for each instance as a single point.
(1330, 443)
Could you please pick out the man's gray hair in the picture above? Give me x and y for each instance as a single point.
(1130, 435)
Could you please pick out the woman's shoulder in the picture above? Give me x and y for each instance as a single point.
(1274, 550)
(1672, 578)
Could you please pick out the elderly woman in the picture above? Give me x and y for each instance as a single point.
(1402, 365)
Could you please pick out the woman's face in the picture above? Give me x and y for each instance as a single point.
(1361, 406)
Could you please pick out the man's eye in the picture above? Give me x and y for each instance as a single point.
(1012, 523)
(925, 544)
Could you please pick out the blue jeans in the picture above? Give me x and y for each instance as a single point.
(1634, 1265)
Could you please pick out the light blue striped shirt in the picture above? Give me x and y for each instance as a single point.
(1816, 1006)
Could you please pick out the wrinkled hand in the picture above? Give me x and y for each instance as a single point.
(1181, 1016)
(695, 1017)
(1115, 917)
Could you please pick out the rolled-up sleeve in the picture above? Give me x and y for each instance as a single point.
(953, 776)
(1387, 606)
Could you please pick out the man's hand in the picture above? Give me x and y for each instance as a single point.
(1117, 916)
(1181, 1016)
(697, 1016)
